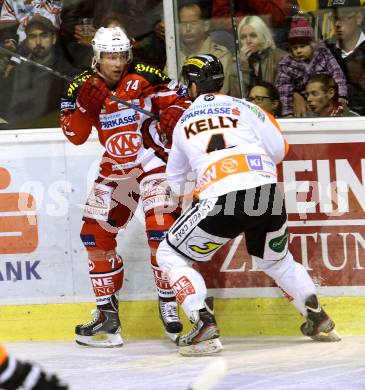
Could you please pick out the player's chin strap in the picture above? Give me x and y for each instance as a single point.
(20, 59)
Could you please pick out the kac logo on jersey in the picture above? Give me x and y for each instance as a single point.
(209, 98)
(124, 144)
(255, 162)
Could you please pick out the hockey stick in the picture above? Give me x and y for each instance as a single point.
(210, 376)
(232, 11)
(71, 80)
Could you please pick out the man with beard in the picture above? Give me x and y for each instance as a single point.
(33, 94)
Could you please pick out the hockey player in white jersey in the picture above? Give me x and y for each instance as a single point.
(233, 147)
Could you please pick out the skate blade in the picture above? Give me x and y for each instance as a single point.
(172, 336)
(204, 348)
(329, 337)
(100, 340)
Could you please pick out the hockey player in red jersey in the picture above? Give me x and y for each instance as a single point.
(132, 167)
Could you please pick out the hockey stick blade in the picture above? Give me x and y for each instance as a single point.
(25, 60)
(210, 376)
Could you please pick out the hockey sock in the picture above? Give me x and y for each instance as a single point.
(106, 273)
(164, 289)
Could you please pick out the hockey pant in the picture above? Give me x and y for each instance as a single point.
(109, 207)
(209, 224)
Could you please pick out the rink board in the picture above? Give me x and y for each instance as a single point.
(44, 286)
(235, 317)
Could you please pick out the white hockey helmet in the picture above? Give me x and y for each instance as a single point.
(110, 40)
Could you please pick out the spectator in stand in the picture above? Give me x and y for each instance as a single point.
(348, 47)
(322, 97)
(33, 95)
(306, 59)
(275, 13)
(151, 47)
(258, 54)
(194, 39)
(138, 19)
(8, 40)
(18, 12)
(266, 96)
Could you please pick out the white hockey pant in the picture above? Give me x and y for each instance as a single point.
(291, 276)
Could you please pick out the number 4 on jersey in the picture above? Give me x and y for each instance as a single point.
(216, 142)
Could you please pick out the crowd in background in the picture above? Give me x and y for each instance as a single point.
(302, 58)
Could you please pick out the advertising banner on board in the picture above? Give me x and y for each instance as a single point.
(324, 188)
(44, 184)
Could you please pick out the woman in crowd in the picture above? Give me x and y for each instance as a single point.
(259, 55)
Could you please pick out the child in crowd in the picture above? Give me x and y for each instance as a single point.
(306, 59)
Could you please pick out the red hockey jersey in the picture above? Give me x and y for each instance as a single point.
(130, 138)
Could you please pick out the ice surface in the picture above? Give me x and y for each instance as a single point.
(275, 363)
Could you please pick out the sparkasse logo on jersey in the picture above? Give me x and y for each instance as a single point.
(117, 119)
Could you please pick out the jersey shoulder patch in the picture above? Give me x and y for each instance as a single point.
(151, 73)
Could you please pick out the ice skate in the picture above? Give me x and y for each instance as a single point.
(103, 330)
(203, 338)
(170, 318)
(319, 325)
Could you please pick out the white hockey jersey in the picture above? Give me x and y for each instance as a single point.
(229, 144)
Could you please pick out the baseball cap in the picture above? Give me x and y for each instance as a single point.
(41, 22)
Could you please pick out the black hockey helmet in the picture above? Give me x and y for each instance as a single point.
(205, 70)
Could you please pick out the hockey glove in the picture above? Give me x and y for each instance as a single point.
(168, 119)
(91, 96)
